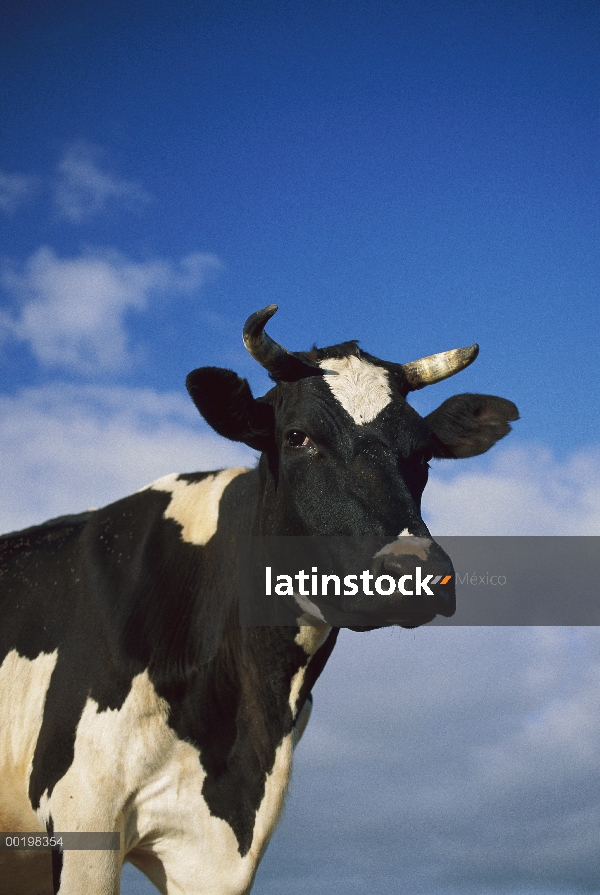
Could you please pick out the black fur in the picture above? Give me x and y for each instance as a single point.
(57, 856)
(225, 401)
(468, 425)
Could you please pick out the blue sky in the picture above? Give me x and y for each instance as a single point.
(417, 175)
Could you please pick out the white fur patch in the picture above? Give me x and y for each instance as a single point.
(311, 613)
(362, 389)
(23, 687)
(310, 638)
(132, 774)
(195, 505)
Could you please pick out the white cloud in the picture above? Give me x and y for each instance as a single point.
(66, 448)
(72, 309)
(14, 190)
(522, 491)
(83, 188)
(448, 761)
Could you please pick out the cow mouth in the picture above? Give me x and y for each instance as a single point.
(401, 622)
(425, 585)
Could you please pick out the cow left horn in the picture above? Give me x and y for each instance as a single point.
(281, 363)
(436, 367)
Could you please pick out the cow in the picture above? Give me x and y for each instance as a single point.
(132, 698)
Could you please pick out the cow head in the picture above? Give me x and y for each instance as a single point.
(344, 454)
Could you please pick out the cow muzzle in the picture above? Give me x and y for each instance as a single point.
(411, 580)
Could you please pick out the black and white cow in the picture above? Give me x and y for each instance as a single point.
(131, 698)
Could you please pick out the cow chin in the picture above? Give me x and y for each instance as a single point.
(374, 611)
(407, 623)
(403, 614)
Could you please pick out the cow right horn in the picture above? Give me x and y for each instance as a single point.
(436, 367)
(281, 363)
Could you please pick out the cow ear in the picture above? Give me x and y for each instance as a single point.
(225, 401)
(467, 425)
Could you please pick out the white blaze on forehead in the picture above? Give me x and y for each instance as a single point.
(362, 389)
(195, 505)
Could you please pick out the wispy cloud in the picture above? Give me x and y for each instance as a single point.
(448, 761)
(15, 189)
(524, 491)
(66, 448)
(84, 187)
(72, 310)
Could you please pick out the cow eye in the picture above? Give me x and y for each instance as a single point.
(297, 439)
